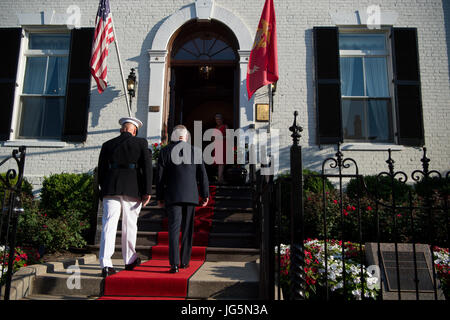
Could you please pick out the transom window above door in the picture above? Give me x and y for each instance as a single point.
(203, 46)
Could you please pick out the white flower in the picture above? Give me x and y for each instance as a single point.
(372, 280)
(356, 293)
(332, 276)
(4, 271)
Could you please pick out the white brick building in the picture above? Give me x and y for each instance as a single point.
(370, 112)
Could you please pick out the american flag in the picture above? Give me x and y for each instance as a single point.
(104, 35)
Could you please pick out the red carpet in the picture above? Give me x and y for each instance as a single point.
(152, 280)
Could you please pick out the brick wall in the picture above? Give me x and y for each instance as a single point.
(137, 22)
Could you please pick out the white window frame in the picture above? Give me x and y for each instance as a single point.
(24, 52)
(360, 145)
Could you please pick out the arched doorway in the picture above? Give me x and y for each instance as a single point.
(203, 76)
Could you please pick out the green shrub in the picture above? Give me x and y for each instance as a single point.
(36, 228)
(315, 184)
(311, 181)
(27, 189)
(379, 186)
(426, 187)
(65, 193)
(60, 220)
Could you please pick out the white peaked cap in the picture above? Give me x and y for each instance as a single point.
(138, 123)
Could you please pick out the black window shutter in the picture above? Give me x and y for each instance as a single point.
(78, 86)
(328, 84)
(11, 38)
(408, 99)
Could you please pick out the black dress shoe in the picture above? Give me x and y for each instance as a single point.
(107, 271)
(131, 266)
(173, 269)
(184, 266)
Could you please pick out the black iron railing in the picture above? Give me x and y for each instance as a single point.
(384, 211)
(12, 183)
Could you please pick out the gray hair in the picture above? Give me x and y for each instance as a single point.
(178, 133)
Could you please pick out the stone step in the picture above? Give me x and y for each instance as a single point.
(232, 240)
(223, 223)
(213, 280)
(236, 218)
(144, 238)
(212, 253)
(216, 239)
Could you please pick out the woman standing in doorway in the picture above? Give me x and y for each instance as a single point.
(222, 127)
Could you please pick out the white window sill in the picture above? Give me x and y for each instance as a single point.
(355, 146)
(35, 143)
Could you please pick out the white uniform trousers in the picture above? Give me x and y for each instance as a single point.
(112, 207)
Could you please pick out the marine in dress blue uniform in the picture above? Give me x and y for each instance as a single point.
(125, 179)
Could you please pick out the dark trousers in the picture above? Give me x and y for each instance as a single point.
(181, 218)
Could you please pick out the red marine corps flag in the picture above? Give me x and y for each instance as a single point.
(263, 65)
(103, 36)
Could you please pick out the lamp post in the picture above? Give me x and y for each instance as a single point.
(131, 84)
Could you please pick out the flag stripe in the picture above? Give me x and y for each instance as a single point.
(103, 36)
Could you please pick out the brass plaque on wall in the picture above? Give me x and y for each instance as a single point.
(262, 112)
(153, 109)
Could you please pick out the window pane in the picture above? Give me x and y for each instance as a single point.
(367, 120)
(353, 118)
(35, 75)
(57, 75)
(205, 49)
(226, 54)
(31, 117)
(184, 55)
(379, 120)
(49, 41)
(352, 77)
(187, 52)
(376, 77)
(41, 117)
(362, 41)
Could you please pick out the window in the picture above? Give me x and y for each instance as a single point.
(45, 84)
(42, 100)
(366, 100)
(355, 99)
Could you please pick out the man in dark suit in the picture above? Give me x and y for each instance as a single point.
(125, 179)
(177, 189)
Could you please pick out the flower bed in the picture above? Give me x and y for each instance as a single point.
(442, 265)
(22, 258)
(355, 285)
(315, 271)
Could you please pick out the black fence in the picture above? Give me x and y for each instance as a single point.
(338, 234)
(11, 188)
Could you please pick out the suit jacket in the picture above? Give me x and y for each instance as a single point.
(115, 173)
(177, 183)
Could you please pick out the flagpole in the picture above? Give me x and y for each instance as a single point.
(116, 44)
(269, 88)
